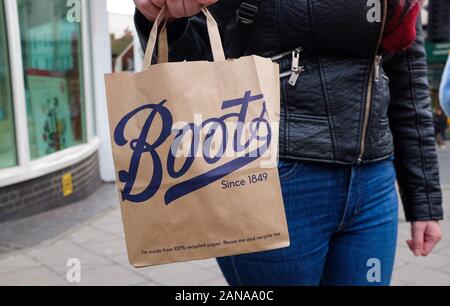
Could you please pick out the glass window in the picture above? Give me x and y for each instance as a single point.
(8, 156)
(52, 59)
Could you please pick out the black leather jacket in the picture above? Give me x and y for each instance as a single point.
(351, 105)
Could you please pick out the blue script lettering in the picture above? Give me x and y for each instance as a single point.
(141, 147)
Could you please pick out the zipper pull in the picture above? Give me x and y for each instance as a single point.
(294, 78)
(295, 75)
(378, 60)
(296, 59)
(296, 68)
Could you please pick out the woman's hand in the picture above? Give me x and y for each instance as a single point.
(176, 8)
(425, 236)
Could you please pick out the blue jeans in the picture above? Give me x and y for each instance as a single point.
(343, 227)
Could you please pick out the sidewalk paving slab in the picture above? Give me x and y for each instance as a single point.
(420, 276)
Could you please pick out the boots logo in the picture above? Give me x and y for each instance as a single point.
(248, 139)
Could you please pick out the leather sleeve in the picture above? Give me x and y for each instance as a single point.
(411, 121)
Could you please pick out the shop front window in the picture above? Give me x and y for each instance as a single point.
(8, 156)
(52, 59)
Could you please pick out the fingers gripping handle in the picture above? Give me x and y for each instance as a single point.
(163, 48)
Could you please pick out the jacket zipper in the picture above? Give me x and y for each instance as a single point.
(378, 61)
(374, 77)
(280, 56)
(296, 67)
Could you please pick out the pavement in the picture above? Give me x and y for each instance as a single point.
(97, 243)
(37, 250)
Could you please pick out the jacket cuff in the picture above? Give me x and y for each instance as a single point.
(416, 210)
(175, 29)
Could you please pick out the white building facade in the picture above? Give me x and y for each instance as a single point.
(54, 134)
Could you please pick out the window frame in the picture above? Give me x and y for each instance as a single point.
(28, 169)
(9, 83)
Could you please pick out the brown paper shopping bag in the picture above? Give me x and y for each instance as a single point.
(195, 148)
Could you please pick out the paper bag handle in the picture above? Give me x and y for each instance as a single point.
(214, 36)
(163, 48)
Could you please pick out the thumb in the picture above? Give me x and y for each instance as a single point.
(207, 2)
(410, 244)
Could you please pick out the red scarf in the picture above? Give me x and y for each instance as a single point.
(400, 32)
